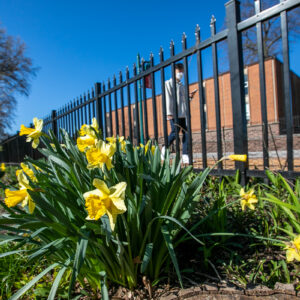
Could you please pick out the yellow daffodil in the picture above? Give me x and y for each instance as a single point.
(248, 199)
(293, 250)
(147, 147)
(28, 172)
(2, 167)
(85, 142)
(13, 198)
(88, 136)
(100, 155)
(238, 157)
(113, 141)
(104, 200)
(33, 134)
(89, 129)
(54, 148)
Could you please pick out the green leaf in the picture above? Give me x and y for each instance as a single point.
(31, 283)
(78, 260)
(167, 236)
(147, 257)
(104, 291)
(11, 252)
(275, 200)
(57, 280)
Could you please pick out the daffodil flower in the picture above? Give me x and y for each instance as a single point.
(2, 167)
(27, 171)
(33, 134)
(104, 200)
(88, 136)
(147, 147)
(248, 199)
(89, 129)
(238, 157)
(113, 141)
(100, 155)
(293, 250)
(13, 198)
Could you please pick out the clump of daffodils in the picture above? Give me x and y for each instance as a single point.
(293, 250)
(2, 167)
(33, 134)
(248, 199)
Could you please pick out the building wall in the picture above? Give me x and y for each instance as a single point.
(274, 97)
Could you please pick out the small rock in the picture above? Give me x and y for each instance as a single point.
(186, 293)
(169, 297)
(284, 288)
(211, 288)
(258, 290)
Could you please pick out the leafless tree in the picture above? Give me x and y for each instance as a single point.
(16, 71)
(271, 30)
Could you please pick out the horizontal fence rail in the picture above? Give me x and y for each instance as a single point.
(122, 107)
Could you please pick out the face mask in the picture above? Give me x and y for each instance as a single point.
(179, 75)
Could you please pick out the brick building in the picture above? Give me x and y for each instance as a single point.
(275, 113)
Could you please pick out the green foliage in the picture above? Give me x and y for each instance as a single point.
(159, 204)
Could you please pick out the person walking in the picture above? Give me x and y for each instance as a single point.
(181, 109)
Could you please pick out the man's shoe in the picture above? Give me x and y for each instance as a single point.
(163, 152)
(185, 159)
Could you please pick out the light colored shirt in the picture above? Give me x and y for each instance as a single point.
(170, 99)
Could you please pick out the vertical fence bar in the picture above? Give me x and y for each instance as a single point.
(54, 122)
(174, 94)
(287, 90)
(145, 104)
(93, 103)
(129, 105)
(122, 104)
(78, 115)
(216, 90)
(201, 100)
(81, 110)
(163, 98)
(85, 108)
(262, 84)
(89, 106)
(104, 113)
(116, 106)
(187, 99)
(237, 84)
(69, 121)
(75, 119)
(99, 112)
(72, 121)
(137, 121)
(110, 110)
(154, 109)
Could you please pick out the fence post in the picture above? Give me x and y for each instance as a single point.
(235, 53)
(99, 105)
(54, 122)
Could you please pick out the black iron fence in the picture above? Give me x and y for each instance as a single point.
(120, 111)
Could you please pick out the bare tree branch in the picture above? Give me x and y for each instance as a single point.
(16, 70)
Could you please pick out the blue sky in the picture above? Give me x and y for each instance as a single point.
(76, 43)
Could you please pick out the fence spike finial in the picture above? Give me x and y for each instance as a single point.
(213, 20)
(171, 44)
(183, 41)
